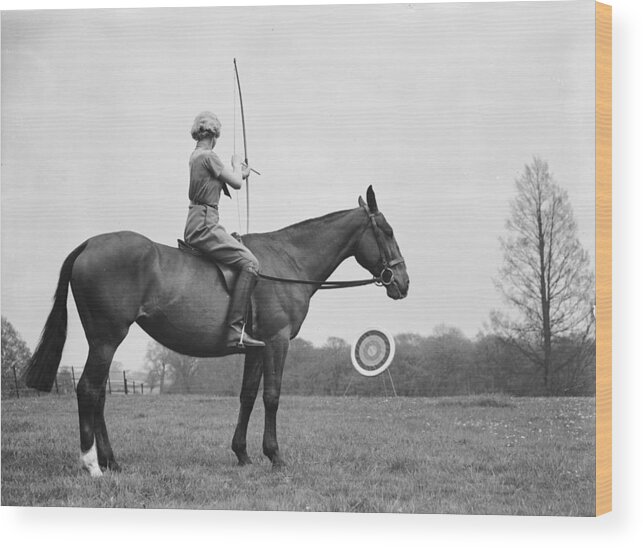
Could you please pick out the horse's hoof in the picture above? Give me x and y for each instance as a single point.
(94, 472)
(244, 461)
(114, 466)
(89, 462)
(278, 464)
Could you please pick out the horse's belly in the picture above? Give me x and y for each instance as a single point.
(188, 317)
(194, 331)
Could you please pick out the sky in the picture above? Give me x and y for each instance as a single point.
(438, 106)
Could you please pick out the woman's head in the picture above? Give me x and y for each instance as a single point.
(205, 125)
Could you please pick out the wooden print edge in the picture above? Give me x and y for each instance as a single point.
(603, 258)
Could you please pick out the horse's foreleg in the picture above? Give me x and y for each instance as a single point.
(250, 386)
(273, 367)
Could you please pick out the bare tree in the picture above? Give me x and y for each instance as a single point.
(162, 363)
(336, 353)
(545, 276)
(184, 369)
(15, 356)
(157, 359)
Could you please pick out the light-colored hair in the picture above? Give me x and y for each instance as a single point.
(205, 124)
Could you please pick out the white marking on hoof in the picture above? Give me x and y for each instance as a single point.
(89, 462)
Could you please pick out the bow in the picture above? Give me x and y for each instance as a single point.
(245, 147)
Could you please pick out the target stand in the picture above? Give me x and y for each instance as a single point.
(371, 354)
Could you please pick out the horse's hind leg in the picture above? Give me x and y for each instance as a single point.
(252, 372)
(94, 443)
(103, 447)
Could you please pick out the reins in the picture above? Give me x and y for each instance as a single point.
(338, 284)
(385, 278)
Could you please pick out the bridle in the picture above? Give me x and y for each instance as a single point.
(386, 276)
(387, 263)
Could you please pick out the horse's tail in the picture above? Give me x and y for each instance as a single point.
(41, 371)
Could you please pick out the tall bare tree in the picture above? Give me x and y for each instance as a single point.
(545, 276)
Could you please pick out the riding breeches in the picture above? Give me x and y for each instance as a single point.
(203, 231)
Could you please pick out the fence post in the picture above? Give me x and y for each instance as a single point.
(141, 388)
(125, 382)
(109, 384)
(133, 387)
(56, 384)
(73, 377)
(15, 380)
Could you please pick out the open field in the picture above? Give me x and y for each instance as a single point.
(478, 454)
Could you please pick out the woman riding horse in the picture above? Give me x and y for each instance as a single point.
(122, 278)
(208, 177)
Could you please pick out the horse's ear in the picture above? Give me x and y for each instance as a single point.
(370, 198)
(361, 202)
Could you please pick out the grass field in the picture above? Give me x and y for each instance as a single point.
(479, 454)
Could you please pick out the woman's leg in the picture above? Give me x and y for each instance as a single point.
(204, 233)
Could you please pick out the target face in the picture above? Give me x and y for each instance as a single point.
(372, 352)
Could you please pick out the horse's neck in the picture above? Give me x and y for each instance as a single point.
(317, 247)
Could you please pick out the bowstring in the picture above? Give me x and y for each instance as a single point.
(234, 142)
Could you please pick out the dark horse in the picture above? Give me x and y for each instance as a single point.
(181, 301)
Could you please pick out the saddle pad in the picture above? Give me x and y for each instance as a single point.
(229, 274)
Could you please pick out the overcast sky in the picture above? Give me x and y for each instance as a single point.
(437, 106)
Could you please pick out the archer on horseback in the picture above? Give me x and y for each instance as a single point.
(208, 177)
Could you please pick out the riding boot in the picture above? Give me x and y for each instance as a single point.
(237, 337)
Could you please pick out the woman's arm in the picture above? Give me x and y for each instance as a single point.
(234, 177)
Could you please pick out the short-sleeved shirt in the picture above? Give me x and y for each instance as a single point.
(205, 170)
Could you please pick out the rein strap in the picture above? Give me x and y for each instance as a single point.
(324, 284)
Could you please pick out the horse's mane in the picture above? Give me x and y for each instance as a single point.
(296, 228)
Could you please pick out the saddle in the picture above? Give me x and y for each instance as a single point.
(228, 274)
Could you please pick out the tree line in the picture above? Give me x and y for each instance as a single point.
(445, 363)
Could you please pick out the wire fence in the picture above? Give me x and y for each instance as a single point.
(66, 382)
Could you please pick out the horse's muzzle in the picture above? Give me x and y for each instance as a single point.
(395, 291)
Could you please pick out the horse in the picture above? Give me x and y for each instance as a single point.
(181, 301)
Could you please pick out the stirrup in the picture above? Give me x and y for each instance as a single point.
(243, 340)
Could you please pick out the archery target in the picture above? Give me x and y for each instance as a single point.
(372, 352)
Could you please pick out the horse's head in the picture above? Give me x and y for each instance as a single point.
(378, 252)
